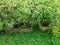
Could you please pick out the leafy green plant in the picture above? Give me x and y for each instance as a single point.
(30, 11)
(1, 26)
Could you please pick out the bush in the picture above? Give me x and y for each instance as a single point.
(31, 11)
(14, 13)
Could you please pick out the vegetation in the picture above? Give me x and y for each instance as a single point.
(36, 37)
(31, 11)
(30, 15)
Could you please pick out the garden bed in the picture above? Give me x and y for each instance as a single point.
(22, 27)
(43, 25)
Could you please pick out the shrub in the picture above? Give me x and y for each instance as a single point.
(14, 13)
(30, 11)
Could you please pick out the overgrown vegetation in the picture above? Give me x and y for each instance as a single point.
(31, 11)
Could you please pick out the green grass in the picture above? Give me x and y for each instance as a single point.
(36, 37)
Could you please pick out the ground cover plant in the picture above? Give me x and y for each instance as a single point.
(36, 37)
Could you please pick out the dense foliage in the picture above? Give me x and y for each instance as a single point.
(30, 11)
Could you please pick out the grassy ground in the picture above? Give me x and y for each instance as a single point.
(36, 37)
